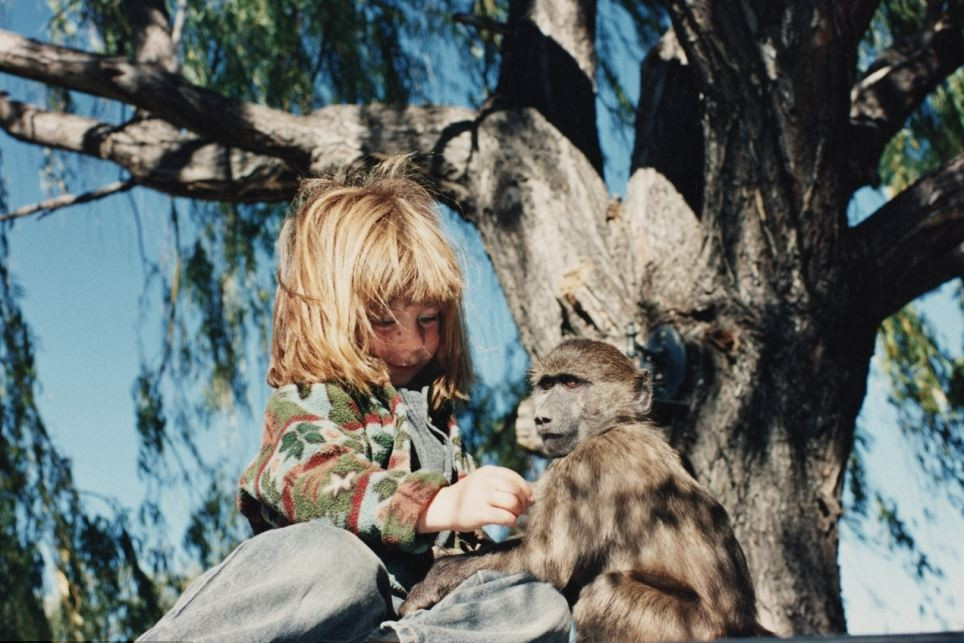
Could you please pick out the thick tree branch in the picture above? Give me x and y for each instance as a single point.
(858, 14)
(153, 43)
(549, 63)
(446, 137)
(160, 156)
(232, 122)
(913, 243)
(669, 136)
(545, 214)
(156, 154)
(896, 85)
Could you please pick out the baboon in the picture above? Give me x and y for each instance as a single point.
(641, 551)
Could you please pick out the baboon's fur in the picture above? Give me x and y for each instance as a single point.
(640, 549)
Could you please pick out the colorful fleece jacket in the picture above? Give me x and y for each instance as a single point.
(345, 459)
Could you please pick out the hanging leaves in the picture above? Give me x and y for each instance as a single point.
(925, 379)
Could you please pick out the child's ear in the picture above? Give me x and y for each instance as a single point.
(644, 392)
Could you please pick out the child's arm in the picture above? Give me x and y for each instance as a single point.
(487, 496)
(321, 459)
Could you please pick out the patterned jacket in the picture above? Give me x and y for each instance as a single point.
(345, 459)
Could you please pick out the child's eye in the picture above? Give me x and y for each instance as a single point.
(428, 320)
(383, 323)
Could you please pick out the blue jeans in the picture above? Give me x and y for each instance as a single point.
(318, 584)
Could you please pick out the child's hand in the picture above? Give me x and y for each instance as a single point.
(488, 496)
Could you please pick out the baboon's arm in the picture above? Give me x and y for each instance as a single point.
(448, 572)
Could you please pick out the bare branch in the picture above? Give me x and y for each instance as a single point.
(65, 200)
(178, 29)
(914, 243)
(481, 23)
(232, 122)
(896, 85)
(156, 154)
(549, 63)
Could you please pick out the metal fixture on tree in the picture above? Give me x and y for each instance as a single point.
(664, 356)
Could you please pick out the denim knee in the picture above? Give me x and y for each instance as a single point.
(335, 558)
(492, 606)
(554, 610)
(302, 582)
(550, 599)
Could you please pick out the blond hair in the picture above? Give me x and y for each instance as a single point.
(353, 245)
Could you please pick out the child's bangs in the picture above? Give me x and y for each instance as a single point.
(398, 271)
(433, 276)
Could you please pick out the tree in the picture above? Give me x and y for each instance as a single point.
(757, 124)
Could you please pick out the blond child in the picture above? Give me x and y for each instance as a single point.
(361, 470)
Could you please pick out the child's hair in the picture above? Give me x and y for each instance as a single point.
(353, 245)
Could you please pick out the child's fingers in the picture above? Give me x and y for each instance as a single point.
(512, 482)
(519, 488)
(508, 501)
(497, 516)
(509, 496)
(508, 475)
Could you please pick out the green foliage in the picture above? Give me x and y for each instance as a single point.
(101, 589)
(216, 526)
(934, 133)
(925, 375)
(875, 519)
(21, 563)
(926, 392)
(299, 55)
(485, 45)
(100, 26)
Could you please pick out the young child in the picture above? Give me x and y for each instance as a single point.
(361, 470)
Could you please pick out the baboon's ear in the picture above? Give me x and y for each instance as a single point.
(644, 392)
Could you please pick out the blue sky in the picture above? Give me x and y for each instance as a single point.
(83, 278)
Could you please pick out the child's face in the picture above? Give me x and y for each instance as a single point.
(407, 339)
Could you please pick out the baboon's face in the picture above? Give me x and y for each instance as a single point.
(583, 388)
(559, 401)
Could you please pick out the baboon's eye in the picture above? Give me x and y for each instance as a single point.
(571, 381)
(547, 382)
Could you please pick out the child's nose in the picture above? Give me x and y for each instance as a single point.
(414, 337)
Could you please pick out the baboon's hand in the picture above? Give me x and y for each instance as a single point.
(420, 597)
(445, 575)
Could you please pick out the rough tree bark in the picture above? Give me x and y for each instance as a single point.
(753, 133)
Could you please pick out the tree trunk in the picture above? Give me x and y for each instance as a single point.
(754, 281)
(772, 388)
(767, 430)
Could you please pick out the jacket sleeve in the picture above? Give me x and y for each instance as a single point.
(322, 459)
